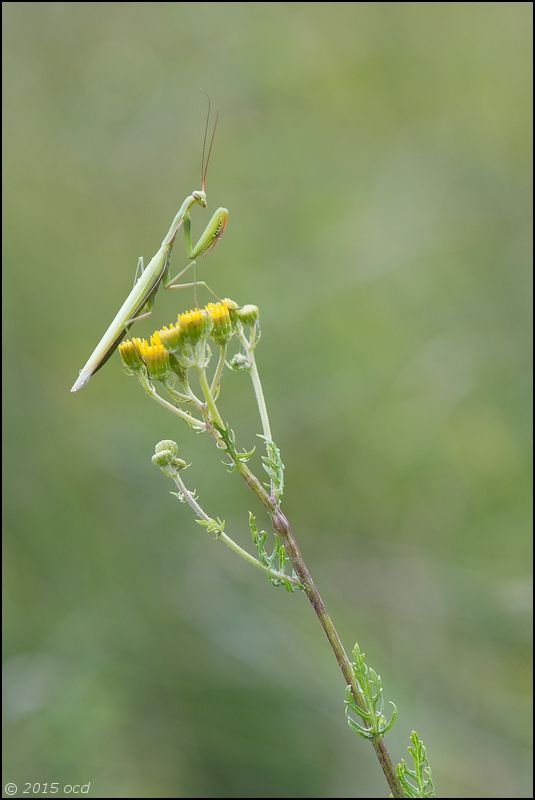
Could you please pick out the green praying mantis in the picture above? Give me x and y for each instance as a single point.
(143, 294)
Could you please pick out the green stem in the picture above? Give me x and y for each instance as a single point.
(214, 388)
(149, 388)
(262, 408)
(180, 396)
(249, 346)
(212, 408)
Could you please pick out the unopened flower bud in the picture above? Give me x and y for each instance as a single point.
(165, 457)
(166, 444)
(247, 315)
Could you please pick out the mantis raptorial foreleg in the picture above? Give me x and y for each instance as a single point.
(156, 273)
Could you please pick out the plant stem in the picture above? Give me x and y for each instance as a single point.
(212, 408)
(216, 380)
(255, 377)
(281, 526)
(249, 346)
(149, 388)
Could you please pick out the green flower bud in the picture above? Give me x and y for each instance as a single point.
(165, 457)
(247, 315)
(166, 444)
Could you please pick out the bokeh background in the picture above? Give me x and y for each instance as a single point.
(375, 159)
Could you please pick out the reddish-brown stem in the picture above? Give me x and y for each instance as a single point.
(282, 528)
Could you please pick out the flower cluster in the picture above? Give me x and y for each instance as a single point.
(174, 349)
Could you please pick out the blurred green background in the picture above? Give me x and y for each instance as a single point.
(375, 160)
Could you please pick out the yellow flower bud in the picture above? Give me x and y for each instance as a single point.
(130, 356)
(195, 324)
(155, 357)
(172, 338)
(221, 325)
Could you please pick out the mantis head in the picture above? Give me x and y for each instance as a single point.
(200, 197)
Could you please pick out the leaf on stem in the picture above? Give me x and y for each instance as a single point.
(369, 683)
(420, 775)
(277, 561)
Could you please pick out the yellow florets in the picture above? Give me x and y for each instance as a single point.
(221, 325)
(130, 356)
(172, 338)
(195, 324)
(155, 356)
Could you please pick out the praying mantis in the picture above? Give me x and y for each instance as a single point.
(156, 273)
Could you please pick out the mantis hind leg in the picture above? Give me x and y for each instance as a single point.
(149, 303)
(147, 310)
(140, 269)
(131, 321)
